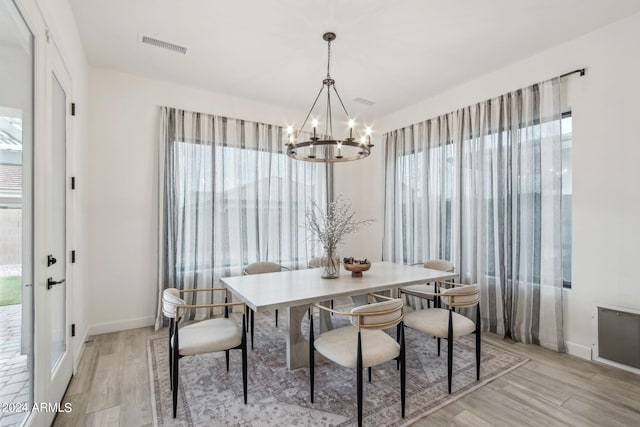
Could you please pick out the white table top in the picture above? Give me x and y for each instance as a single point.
(292, 288)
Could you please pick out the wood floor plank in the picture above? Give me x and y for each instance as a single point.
(78, 411)
(602, 390)
(81, 381)
(469, 419)
(106, 386)
(105, 418)
(558, 413)
(605, 414)
(537, 386)
(135, 386)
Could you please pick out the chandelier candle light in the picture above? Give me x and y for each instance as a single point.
(324, 147)
(330, 228)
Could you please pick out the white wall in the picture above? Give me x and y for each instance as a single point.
(606, 201)
(123, 143)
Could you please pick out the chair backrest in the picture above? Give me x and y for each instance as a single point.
(263, 267)
(462, 295)
(319, 261)
(440, 264)
(315, 262)
(379, 315)
(170, 300)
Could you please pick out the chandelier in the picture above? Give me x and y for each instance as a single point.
(322, 146)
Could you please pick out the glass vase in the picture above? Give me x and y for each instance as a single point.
(330, 264)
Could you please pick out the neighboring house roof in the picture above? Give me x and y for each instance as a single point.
(10, 179)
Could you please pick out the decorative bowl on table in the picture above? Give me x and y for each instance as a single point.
(356, 267)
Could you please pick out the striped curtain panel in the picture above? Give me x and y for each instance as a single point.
(229, 196)
(482, 187)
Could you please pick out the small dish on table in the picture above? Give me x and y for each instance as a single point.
(356, 267)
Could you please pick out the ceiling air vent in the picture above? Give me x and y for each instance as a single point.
(164, 45)
(364, 101)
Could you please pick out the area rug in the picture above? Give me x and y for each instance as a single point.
(211, 396)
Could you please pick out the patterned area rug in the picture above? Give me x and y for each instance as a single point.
(209, 395)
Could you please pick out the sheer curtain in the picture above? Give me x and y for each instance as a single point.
(229, 196)
(482, 187)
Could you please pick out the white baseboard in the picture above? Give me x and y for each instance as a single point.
(617, 365)
(120, 325)
(578, 350)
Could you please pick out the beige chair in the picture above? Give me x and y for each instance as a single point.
(434, 264)
(207, 336)
(261, 268)
(364, 343)
(446, 323)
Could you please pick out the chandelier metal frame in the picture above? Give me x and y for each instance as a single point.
(325, 148)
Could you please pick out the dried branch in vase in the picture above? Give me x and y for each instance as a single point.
(330, 227)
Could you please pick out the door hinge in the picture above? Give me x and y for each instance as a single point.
(73, 182)
(73, 257)
(73, 108)
(73, 329)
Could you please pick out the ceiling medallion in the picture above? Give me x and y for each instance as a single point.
(323, 147)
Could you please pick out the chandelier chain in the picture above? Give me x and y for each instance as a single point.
(328, 58)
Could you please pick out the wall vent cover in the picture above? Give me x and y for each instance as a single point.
(363, 101)
(164, 45)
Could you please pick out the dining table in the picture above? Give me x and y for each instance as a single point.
(296, 290)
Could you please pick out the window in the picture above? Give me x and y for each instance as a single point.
(230, 197)
(428, 182)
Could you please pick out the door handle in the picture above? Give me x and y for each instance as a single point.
(51, 283)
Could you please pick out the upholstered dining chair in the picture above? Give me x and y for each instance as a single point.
(434, 264)
(261, 268)
(363, 344)
(446, 323)
(206, 336)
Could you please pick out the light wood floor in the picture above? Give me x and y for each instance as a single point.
(112, 388)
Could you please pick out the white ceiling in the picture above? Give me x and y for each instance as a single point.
(392, 52)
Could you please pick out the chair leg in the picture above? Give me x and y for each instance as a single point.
(438, 339)
(403, 370)
(276, 317)
(244, 359)
(398, 340)
(312, 367)
(359, 380)
(450, 351)
(478, 342)
(369, 373)
(170, 355)
(174, 386)
(226, 355)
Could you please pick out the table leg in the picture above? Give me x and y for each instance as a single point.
(359, 300)
(297, 346)
(325, 318)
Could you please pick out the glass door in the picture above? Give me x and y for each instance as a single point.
(16, 215)
(58, 282)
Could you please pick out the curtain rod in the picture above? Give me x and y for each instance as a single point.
(579, 70)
